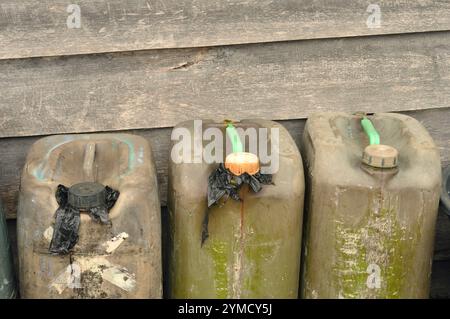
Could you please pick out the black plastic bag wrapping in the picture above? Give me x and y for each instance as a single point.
(101, 214)
(111, 197)
(222, 182)
(67, 223)
(67, 219)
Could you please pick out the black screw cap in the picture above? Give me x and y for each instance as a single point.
(87, 195)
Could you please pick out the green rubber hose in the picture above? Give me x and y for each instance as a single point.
(234, 138)
(371, 132)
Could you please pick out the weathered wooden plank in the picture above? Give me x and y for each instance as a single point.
(31, 28)
(159, 88)
(14, 150)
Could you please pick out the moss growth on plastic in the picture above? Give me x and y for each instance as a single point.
(378, 240)
(401, 247)
(350, 267)
(256, 254)
(219, 253)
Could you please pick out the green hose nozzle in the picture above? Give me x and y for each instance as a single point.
(234, 138)
(369, 129)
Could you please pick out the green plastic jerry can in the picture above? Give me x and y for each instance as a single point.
(7, 283)
(373, 194)
(235, 223)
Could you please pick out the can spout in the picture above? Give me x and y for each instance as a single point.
(240, 162)
(377, 155)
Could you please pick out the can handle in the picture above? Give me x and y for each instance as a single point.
(377, 155)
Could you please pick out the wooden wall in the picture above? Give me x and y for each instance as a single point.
(142, 66)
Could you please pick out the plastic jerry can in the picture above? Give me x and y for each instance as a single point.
(373, 185)
(88, 222)
(7, 283)
(235, 223)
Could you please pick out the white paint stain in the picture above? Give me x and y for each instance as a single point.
(120, 278)
(114, 243)
(69, 278)
(114, 274)
(48, 234)
(60, 282)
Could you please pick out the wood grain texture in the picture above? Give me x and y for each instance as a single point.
(14, 151)
(159, 88)
(32, 28)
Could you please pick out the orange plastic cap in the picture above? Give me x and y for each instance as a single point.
(242, 162)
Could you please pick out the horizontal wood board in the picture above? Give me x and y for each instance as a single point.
(280, 81)
(30, 28)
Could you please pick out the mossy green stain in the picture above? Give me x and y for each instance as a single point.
(256, 255)
(350, 269)
(401, 247)
(219, 253)
(393, 248)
